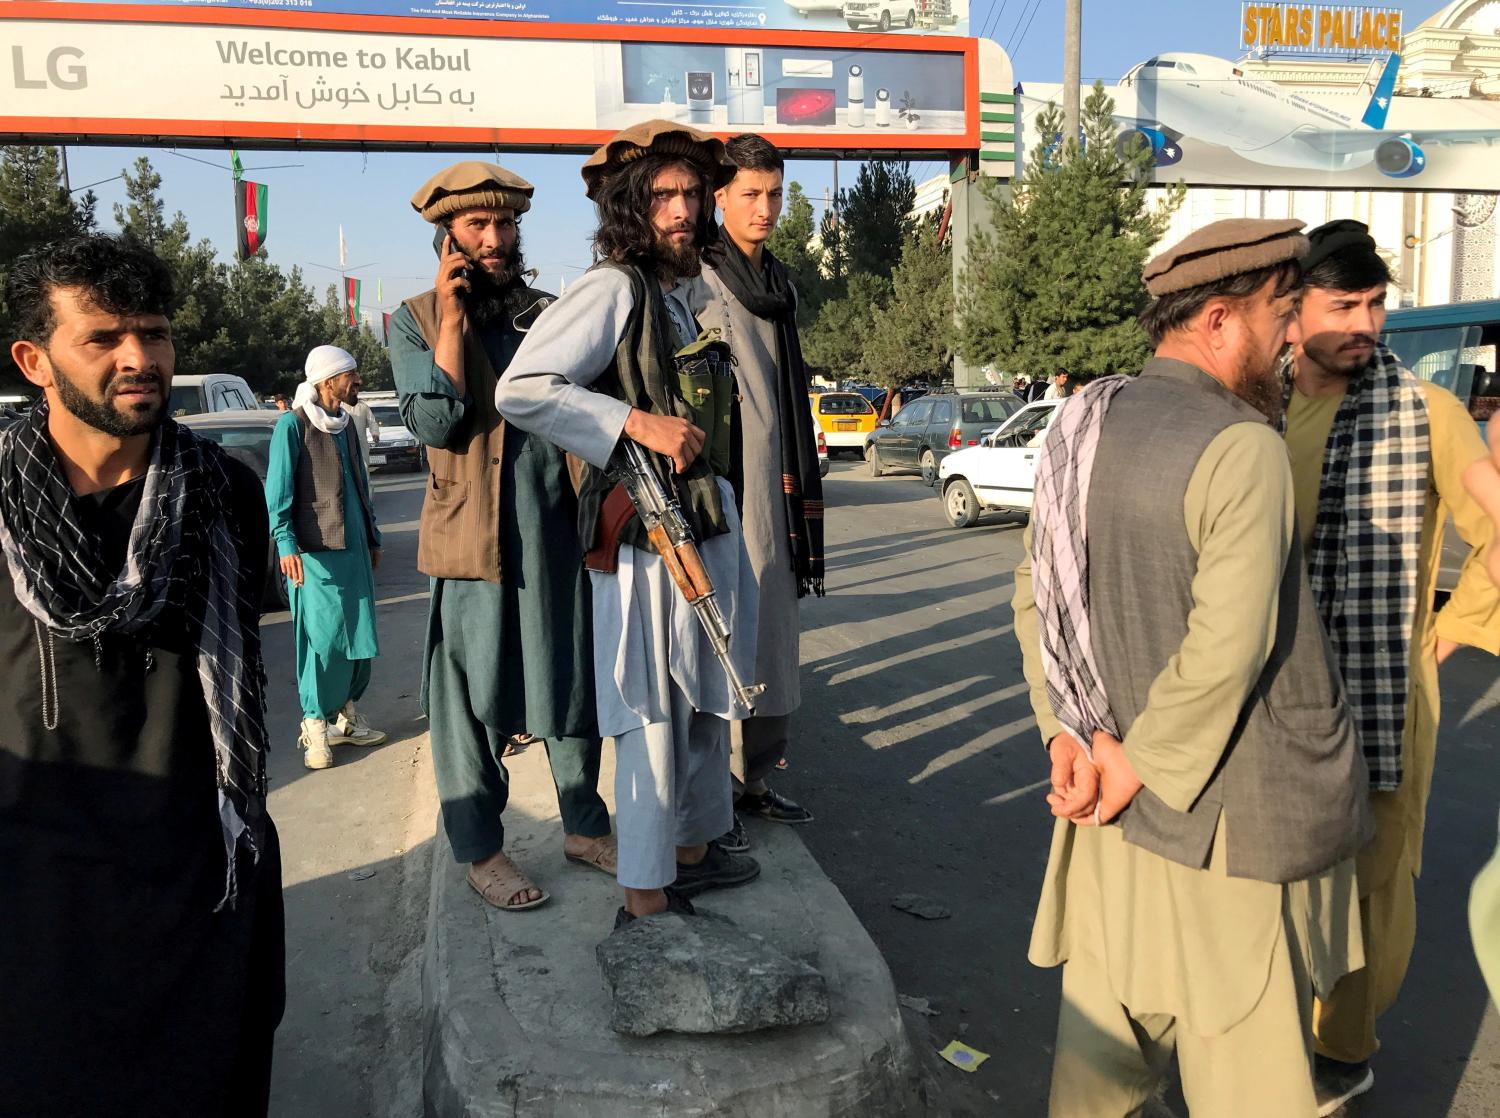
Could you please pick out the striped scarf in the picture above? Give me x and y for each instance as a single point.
(1060, 562)
(182, 561)
(1363, 562)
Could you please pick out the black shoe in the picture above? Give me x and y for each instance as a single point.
(1336, 1082)
(773, 806)
(676, 902)
(734, 840)
(718, 870)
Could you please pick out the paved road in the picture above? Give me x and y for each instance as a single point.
(916, 749)
(350, 1043)
(918, 754)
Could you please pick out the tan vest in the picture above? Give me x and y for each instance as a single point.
(459, 533)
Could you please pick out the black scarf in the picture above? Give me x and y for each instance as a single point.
(767, 293)
(182, 564)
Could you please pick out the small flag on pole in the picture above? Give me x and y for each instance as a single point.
(385, 326)
(235, 165)
(351, 299)
(343, 252)
(380, 293)
(250, 208)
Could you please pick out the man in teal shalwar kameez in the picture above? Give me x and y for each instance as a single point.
(509, 643)
(318, 495)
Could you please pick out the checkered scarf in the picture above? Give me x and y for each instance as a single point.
(182, 563)
(1060, 561)
(1364, 556)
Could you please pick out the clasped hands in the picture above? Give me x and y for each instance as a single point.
(1086, 792)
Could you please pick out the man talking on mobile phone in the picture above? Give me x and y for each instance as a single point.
(509, 645)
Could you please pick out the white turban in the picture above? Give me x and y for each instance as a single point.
(322, 363)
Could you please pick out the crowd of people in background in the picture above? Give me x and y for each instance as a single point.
(1232, 658)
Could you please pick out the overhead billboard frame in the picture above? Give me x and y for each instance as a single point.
(32, 62)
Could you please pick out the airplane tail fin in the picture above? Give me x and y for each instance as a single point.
(1380, 100)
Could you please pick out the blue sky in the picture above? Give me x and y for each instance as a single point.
(369, 194)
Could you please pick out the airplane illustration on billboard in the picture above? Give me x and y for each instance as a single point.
(1191, 97)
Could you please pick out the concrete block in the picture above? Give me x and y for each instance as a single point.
(517, 1017)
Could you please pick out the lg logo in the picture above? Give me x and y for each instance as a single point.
(65, 69)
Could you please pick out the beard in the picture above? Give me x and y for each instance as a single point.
(677, 261)
(104, 415)
(1259, 385)
(491, 294)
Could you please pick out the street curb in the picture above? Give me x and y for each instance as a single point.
(516, 1014)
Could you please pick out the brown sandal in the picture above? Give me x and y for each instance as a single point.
(600, 854)
(501, 881)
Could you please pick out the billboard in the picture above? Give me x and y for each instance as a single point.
(241, 76)
(1209, 124)
(1343, 30)
(894, 17)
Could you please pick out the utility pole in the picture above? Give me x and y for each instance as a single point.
(1072, 68)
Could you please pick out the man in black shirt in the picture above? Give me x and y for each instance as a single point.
(141, 936)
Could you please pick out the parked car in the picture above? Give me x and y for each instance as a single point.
(923, 433)
(845, 418)
(999, 474)
(1456, 346)
(822, 453)
(194, 395)
(394, 445)
(879, 13)
(246, 437)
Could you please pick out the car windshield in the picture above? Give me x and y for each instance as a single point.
(187, 400)
(250, 445)
(844, 405)
(987, 409)
(387, 415)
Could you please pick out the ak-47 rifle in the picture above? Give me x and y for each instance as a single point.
(672, 537)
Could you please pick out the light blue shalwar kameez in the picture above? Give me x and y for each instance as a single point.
(333, 611)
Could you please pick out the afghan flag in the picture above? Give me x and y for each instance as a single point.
(385, 326)
(351, 299)
(250, 209)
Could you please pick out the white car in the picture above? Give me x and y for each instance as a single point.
(999, 474)
(881, 14)
(393, 444)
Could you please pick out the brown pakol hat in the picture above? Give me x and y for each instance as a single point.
(659, 137)
(1224, 249)
(468, 184)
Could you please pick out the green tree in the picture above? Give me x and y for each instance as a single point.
(1058, 283)
(792, 243)
(913, 336)
(873, 214)
(143, 217)
(835, 344)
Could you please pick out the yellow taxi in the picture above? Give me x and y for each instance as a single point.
(845, 418)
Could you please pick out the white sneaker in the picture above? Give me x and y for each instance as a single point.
(350, 728)
(314, 744)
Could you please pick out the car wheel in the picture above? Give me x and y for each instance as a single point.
(885, 21)
(872, 456)
(929, 468)
(960, 504)
(911, 18)
(853, 25)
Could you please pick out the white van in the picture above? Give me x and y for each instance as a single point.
(194, 395)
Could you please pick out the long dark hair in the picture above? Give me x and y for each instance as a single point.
(625, 234)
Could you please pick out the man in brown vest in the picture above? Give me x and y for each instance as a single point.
(1209, 791)
(508, 634)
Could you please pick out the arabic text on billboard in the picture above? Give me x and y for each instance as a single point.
(1331, 29)
(467, 86)
(898, 17)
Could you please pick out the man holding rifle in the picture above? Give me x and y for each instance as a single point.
(615, 373)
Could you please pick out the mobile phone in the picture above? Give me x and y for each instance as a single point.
(442, 244)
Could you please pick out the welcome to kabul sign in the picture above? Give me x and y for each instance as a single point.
(1344, 30)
